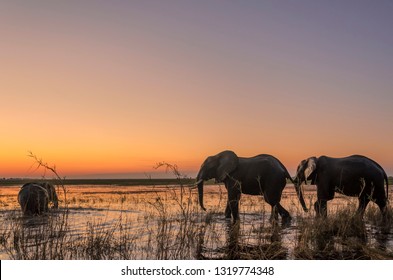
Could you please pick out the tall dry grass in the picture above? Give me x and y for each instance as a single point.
(346, 235)
(168, 229)
(172, 226)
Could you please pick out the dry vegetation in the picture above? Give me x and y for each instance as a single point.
(165, 222)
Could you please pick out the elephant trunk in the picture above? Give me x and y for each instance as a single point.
(52, 195)
(299, 193)
(200, 192)
(55, 201)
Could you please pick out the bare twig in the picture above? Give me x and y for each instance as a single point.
(40, 163)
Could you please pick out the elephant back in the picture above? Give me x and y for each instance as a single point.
(33, 199)
(275, 165)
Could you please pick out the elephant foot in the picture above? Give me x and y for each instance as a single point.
(320, 208)
(387, 218)
(320, 216)
(359, 214)
(228, 213)
(284, 214)
(286, 222)
(286, 218)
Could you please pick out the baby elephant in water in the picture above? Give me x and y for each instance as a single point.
(35, 197)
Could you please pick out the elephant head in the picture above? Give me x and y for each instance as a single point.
(52, 195)
(306, 171)
(218, 167)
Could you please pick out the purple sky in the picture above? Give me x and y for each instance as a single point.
(117, 86)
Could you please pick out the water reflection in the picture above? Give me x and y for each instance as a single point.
(354, 239)
(383, 236)
(127, 219)
(31, 222)
(244, 240)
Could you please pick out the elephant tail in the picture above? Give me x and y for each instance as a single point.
(387, 185)
(385, 176)
(287, 175)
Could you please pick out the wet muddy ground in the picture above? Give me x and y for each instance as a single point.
(166, 222)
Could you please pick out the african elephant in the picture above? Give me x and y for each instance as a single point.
(260, 175)
(35, 197)
(352, 176)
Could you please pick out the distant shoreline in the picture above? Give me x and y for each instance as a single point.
(115, 182)
(118, 182)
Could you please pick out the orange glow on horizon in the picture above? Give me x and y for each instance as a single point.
(114, 164)
(153, 84)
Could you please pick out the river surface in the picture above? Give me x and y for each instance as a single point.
(166, 222)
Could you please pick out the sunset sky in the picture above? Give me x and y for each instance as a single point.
(110, 88)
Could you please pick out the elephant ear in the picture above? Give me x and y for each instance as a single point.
(311, 166)
(228, 162)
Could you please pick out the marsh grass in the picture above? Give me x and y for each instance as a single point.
(345, 235)
(170, 225)
(40, 237)
(165, 222)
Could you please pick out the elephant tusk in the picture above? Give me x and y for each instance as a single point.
(199, 181)
(194, 185)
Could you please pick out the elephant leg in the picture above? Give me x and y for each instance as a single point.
(233, 205)
(320, 207)
(363, 202)
(228, 212)
(233, 199)
(379, 197)
(381, 202)
(283, 212)
(274, 214)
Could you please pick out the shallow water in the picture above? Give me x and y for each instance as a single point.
(164, 222)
